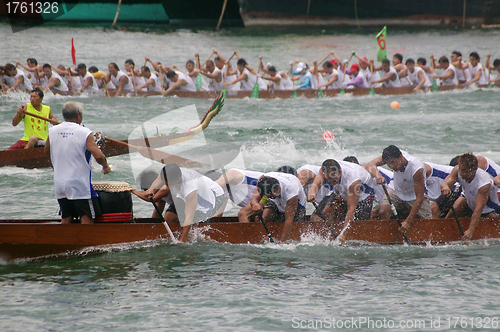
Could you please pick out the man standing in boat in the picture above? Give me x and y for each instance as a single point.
(36, 130)
(407, 189)
(70, 146)
(480, 194)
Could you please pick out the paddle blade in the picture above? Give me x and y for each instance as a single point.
(342, 92)
(223, 92)
(199, 82)
(295, 94)
(489, 86)
(320, 93)
(371, 92)
(255, 91)
(434, 86)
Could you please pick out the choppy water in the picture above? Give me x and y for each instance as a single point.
(204, 286)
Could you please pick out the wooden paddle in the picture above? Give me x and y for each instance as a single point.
(320, 213)
(106, 87)
(71, 80)
(324, 58)
(434, 83)
(204, 63)
(393, 208)
(342, 92)
(174, 240)
(372, 91)
(458, 222)
(264, 200)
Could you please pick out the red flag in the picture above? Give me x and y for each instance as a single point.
(73, 51)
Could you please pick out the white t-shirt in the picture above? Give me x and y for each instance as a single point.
(452, 80)
(470, 190)
(415, 80)
(290, 187)
(433, 182)
(403, 183)
(396, 83)
(351, 173)
(242, 192)
(484, 73)
(249, 81)
(92, 87)
(70, 160)
(216, 84)
(186, 87)
(379, 191)
(207, 190)
(26, 83)
(116, 79)
(278, 85)
(325, 190)
(156, 86)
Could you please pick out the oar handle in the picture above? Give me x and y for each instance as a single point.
(324, 59)
(204, 63)
(264, 200)
(71, 80)
(393, 208)
(458, 222)
(39, 117)
(320, 213)
(174, 240)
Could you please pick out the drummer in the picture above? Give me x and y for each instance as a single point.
(36, 130)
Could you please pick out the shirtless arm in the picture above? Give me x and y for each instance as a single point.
(97, 154)
(145, 85)
(19, 115)
(121, 83)
(290, 211)
(191, 203)
(479, 203)
(175, 86)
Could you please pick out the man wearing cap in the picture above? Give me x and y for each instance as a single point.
(306, 79)
(360, 80)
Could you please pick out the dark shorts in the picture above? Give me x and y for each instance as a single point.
(339, 206)
(80, 207)
(446, 202)
(300, 215)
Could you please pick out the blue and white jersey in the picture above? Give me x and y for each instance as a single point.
(241, 193)
(437, 176)
(325, 190)
(351, 173)
(379, 191)
(290, 187)
(480, 180)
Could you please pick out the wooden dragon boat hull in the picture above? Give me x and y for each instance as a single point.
(48, 238)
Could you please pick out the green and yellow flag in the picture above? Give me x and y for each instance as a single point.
(381, 43)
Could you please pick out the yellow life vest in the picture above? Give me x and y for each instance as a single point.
(34, 126)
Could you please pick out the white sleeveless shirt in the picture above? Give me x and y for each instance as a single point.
(70, 160)
(116, 79)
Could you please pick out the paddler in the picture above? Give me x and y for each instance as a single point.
(120, 80)
(245, 78)
(195, 197)
(391, 78)
(450, 72)
(353, 183)
(286, 200)
(20, 80)
(180, 81)
(480, 194)
(479, 74)
(36, 130)
(407, 192)
(70, 146)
